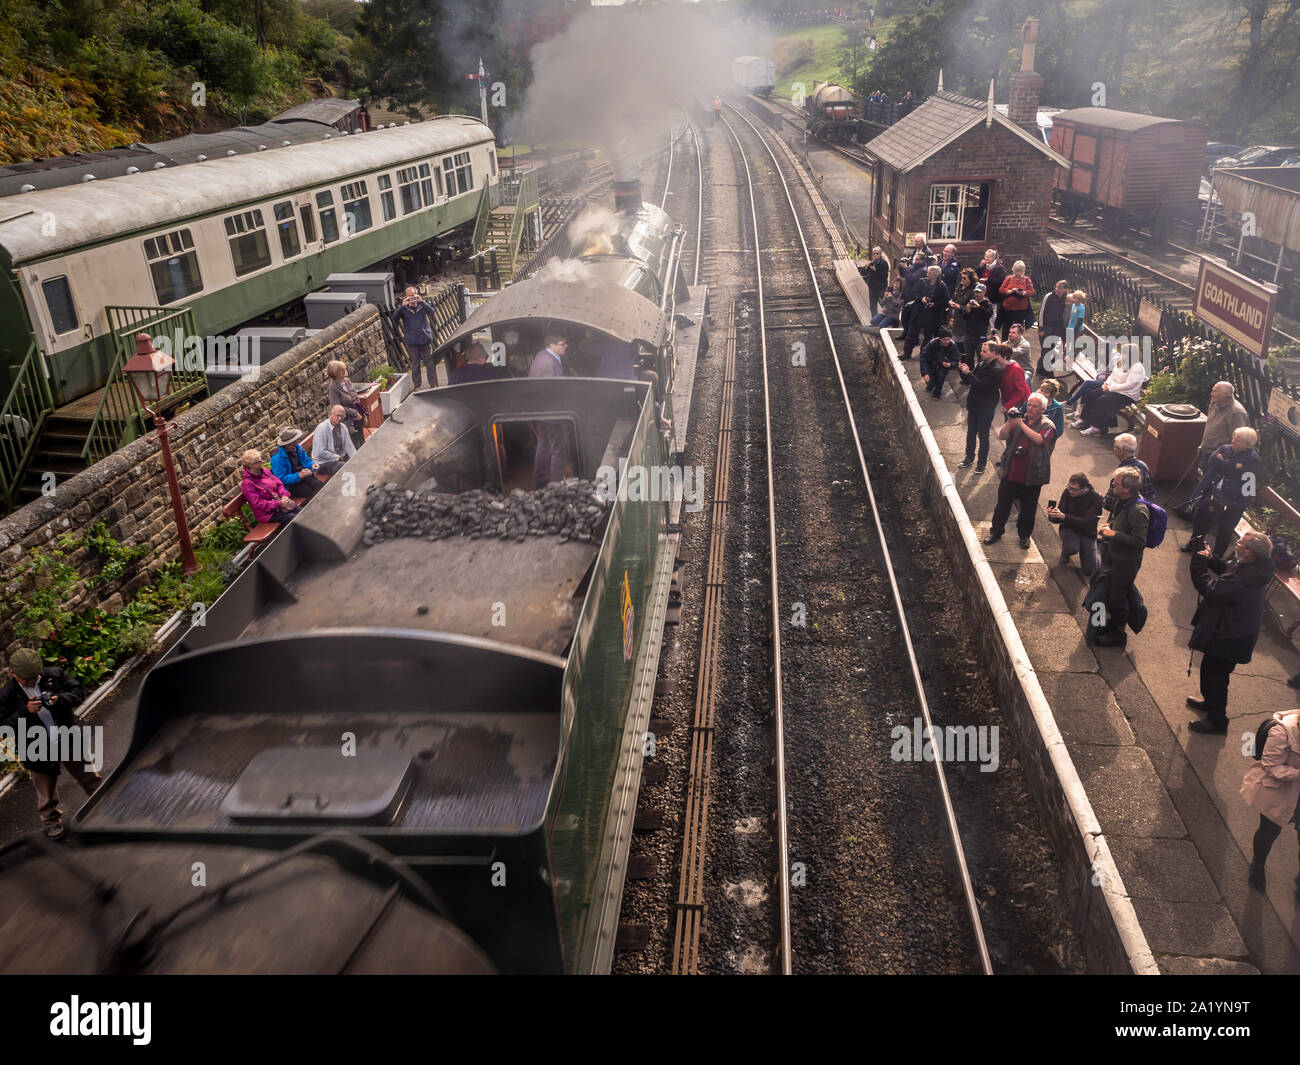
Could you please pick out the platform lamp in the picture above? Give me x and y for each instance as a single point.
(150, 374)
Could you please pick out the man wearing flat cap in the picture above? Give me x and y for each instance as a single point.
(38, 696)
(294, 466)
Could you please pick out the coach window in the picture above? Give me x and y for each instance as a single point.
(386, 197)
(174, 265)
(287, 227)
(459, 173)
(356, 207)
(408, 189)
(329, 226)
(246, 234)
(426, 184)
(58, 298)
(308, 224)
(958, 212)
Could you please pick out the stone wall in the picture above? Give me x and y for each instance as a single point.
(128, 490)
(1103, 915)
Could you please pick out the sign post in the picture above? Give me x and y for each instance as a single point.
(1235, 305)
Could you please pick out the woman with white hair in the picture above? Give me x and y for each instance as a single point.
(1123, 387)
(1017, 288)
(1230, 485)
(265, 492)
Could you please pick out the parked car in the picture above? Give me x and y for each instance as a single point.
(1260, 155)
(1218, 150)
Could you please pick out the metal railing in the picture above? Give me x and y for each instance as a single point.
(24, 412)
(118, 418)
(1252, 378)
(526, 206)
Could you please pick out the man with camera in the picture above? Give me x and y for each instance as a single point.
(44, 697)
(415, 316)
(1026, 466)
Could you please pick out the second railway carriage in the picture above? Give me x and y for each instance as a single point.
(228, 238)
(1133, 170)
(754, 73)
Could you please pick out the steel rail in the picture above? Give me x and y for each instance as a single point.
(778, 708)
(968, 887)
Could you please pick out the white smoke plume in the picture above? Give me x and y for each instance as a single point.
(619, 73)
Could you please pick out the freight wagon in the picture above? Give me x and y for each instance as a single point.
(1129, 170)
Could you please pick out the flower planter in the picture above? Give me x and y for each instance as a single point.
(399, 387)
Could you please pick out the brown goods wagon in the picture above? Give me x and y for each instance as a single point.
(1135, 170)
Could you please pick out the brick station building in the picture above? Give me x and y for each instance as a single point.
(960, 172)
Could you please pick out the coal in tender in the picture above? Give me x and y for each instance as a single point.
(573, 509)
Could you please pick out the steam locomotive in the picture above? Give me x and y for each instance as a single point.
(409, 755)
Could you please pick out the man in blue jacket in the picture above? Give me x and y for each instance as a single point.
(1229, 486)
(294, 466)
(415, 316)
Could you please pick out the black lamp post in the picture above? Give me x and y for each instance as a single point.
(150, 374)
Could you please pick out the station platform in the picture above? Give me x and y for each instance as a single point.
(1167, 799)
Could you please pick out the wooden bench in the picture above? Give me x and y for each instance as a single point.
(259, 532)
(1083, 370)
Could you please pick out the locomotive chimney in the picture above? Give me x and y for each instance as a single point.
(627, 196)
(1026, 83)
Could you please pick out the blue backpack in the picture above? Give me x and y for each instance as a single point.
(1157, 525)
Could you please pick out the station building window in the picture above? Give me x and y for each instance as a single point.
(246, 234)
(958, 212)
(287, 226)
(58, 298)
(356, 207)
(329, 226)
(386, 197)
(408, 188)
(174, 265)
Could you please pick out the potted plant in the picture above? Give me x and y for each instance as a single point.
(393, 387)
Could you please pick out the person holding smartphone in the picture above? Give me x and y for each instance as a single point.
(1076, 516)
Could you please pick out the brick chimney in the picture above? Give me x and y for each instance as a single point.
(1026, 83)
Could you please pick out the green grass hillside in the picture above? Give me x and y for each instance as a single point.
(815, 53)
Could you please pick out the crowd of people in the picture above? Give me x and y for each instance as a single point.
(973, 320)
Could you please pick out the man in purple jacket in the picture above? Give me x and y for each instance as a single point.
(552, 451)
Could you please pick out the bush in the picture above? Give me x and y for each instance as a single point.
(382, 375)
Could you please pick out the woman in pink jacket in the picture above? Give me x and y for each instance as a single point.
(1272, 786)
(265, 492)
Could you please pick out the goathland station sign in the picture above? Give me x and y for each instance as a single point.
(1235, 305)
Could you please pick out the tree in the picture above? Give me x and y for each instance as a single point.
(1266, 69)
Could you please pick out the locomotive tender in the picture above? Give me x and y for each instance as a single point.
(439, 741)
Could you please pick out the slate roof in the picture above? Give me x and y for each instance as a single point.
(939, 121)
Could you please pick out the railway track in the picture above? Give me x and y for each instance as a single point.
(807, 419)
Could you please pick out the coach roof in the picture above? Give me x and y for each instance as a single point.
(149, 201)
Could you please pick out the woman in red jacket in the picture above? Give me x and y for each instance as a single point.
(265, 492)
(1016, 290)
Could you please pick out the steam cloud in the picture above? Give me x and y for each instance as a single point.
(616, 75)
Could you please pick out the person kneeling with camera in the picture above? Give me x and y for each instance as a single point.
(1026, 466)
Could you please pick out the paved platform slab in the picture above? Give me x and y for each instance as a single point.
(1167, 798)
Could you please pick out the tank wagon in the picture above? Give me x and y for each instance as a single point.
(420, 755)
(1129, 170)
(753, 73)
(229, 238)
(833, 112)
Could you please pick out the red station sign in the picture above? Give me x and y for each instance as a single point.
(1235, 305)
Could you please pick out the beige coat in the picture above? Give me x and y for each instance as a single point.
(1272, 784)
